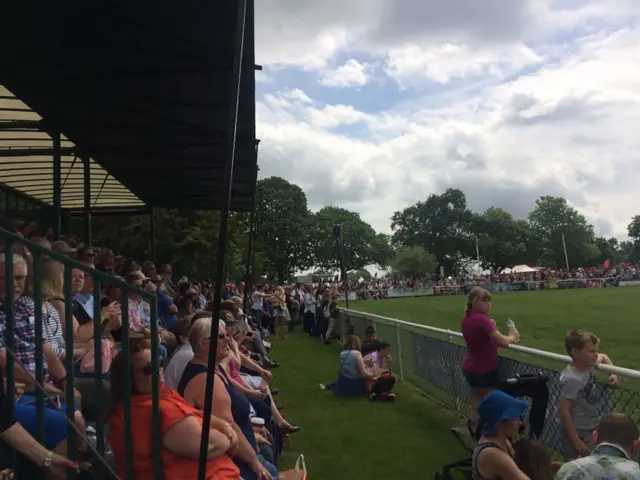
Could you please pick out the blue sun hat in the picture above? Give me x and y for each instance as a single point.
(496, 407)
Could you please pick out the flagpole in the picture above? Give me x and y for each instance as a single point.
(477, 252)
(566, 257)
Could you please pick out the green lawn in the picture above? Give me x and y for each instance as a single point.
(543, 318)
(357, 439)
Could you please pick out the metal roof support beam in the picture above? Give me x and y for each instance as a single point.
(236, 79)
(152, 223)
(87, 200)
(252, 237)
(57, 185)
(34, 152)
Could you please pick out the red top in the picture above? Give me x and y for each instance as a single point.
(173, 408)
(482, 352)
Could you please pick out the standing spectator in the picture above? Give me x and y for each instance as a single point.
(257, 303)
(617, 441)
(579, 407)
(480, 365)
(167, 310)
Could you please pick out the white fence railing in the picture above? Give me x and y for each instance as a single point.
(565, 359)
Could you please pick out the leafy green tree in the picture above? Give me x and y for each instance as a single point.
(282, 226)
(413, 261)
(634, 228)
(552, 218)
(362, 245)
(185, 238)
(441, 224)
(502, 241)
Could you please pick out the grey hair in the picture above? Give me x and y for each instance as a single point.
(16, 258)
(200, 329)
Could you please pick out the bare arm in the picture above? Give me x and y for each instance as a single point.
(56, 369)
(21, 375)
(183, 438)
(504, 340)
(564, 413)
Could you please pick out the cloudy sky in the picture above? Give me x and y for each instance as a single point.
(372, 105)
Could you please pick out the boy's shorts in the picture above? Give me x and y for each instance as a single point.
(568, 450)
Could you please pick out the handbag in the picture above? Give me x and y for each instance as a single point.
(299, 472)
(88, 363)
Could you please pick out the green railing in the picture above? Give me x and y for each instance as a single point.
(34, 256)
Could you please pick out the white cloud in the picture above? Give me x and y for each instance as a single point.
(411, 64)
(350, 74)
(503, 118)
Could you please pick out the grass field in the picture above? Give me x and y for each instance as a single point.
(543, 317)
(357, 439)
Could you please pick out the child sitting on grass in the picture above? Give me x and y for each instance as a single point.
(580, 395)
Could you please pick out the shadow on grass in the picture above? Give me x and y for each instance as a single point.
(356, 438)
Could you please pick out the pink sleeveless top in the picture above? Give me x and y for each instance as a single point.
(235, 373)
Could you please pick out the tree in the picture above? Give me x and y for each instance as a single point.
(362, 245)
(441, 224)
(413, 261)
(188, 239)
(552, 218)
(282, 228)
(502, 241)
(634, 228)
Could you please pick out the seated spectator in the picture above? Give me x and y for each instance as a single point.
(17, 438)
(255, 387)
(140, 314)
(106, 261)
(182, 355)
(579, 408)
(167, 310)
(617, 444)
(379, 356)
(493, 457)
(229, 404)
(246, 333)
(353, 374)
(181, 426)
(25, 356)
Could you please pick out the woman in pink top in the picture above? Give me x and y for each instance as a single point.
(480, 365)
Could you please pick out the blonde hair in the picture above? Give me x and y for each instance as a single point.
(52, 279)
(200, 329)
(351, 342)
(477, 294)
(237, 300)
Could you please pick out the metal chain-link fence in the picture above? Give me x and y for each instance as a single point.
(433, 363)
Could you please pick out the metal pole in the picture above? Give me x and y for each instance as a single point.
(87, 200)
(248, 284)
(343, 268)
(152, 222)
(57, 185)
(222, 234)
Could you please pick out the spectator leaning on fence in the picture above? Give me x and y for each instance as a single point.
(617, 442)
(480, 365)
(579, 408)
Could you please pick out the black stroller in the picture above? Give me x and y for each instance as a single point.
(533, 386)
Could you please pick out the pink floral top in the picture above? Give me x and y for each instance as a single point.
(135, 315)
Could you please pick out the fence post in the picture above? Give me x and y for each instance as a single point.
(399, 346)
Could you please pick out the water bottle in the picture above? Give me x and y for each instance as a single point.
(511, 325)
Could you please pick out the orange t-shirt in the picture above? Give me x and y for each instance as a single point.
(173, 408)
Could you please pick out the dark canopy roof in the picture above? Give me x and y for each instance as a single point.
(142, 88)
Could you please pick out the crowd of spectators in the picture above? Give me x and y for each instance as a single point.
(247, 426)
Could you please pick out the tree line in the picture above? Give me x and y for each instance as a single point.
(439, 231)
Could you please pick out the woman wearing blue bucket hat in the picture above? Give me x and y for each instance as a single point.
(500, 418)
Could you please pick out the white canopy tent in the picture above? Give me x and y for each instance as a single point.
(523, 269)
